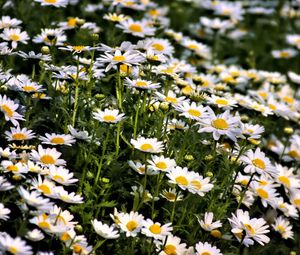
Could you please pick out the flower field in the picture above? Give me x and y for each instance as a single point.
(149, 127)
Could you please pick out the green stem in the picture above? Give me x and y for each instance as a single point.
(244, 192)
(173, 208)
(76, 94)
(136, 118)
(118, 139)
(158, 182)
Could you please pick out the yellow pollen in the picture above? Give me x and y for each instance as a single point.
(250, 229)
(125, 69)
(14, 37)
(272, 107)
(171, 100)
(222, 101)
(72, 21)
(147, 147)
(158, 46)
(220, 124)
(109, 118)
(155, 229)
(161, 165)
(170, 196)
(262, 193)
(170, 249)
(181, 180)
(141, 84)
(205, 253)
(193, 46)
(196, 184)
(44, 224)
(216, 233)
(194, 112)
(285, 180)
(12, 168)
(297, 202)
(257, 162)
(293, 154)
(119, 58)
(13, 250)
(65, 237)
(280, 229)
(136, 28)
(131, 225)
(57, 140)
(7, 110)
(78, 48)
(58, 178)
(45, 189)
(284, 54)
(77, 248)
(19, 136)
(28, 88)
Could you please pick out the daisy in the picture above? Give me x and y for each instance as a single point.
(82, 135)
(192, 111)
(160, 163)
(131, 223)
(155, 229)
(33, 55)
(157, 46)
(139, 167)
(172, 195)
(286, 178)
(15, 36)
(222, 102)
(61, 175)
(283, 227)
(170, 98)
(56, 3)
(137, 28)
(287, 209)
(70, 198)
(267, 193)
(47, 156)
(207, 224)
(206, 249)
(295, 198)
(151, 145)
(257, 162)
(9, 107)
(129, 58)
(45, 186)
(48, 224)
(114, 17)
(35, 235)
(294, 77)
(8, 22)
(108, 116)
(285, 53)
(171, 245)
(14, 246)
(222, 124)
(199, 185)
(57, 139)
(4, 212)
(29, 87)
(107, 232)
(18, 168)
(5, 185)
(18, 134)
(141, 84)
(246, 230)
(252, 131)
(199, 48)
(180, 176)
(50, 37)
(62, 217)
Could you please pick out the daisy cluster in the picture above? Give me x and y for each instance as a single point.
(149, 127)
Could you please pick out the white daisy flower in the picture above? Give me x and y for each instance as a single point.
(150, 145)
(192, 111)
(137, 28)
(55, 3)
(57, 139)
(4, 212)
(14, 246)
(35, 235)
(155, 229)
(18, 134)
(47, 156)
(207, 224)
(283, 227)
(102, 229)
(141, 84)
(15, 36)
(108, 116)
(131, 223)
(207, 249)
(9, 107)
(160, 163)
(61, 175)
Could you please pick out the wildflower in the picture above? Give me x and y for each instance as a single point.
(50, 37)
(206, 248)
(131, 223)
(171, 245)
(14, 246)
(155, 229)
(15, 36)
(208, 224)
(160, 163)
(283, 227)
(151, 145)
(47, 156)
(61, 175)
(107, 232)
(108, 116)
(19, 134)
(4, 212)
(141, 84)
(137, 28)
(172, 195)
(56, 3)
(180, 176)
(192, 111)
(9, 107)
(57, 139)
(35, 235)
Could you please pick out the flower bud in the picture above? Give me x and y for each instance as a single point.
(288, 130)
(189, 157)
(208, 157)
(45, 50)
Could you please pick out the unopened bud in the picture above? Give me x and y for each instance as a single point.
(79, 228)
(80, 22)
(288, 130)
(164, 106)
(208, 157)
(17, 177)
(245, 118)
(95, 37)
(90, 175)
(45, 50)
(189, 157)
(99, 96)
(209, 174)
(216, 233)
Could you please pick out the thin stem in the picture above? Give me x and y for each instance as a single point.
(245, 190)
(136, 118)
(158, 182)
(173, 209)
(118, 139)
(76, 94)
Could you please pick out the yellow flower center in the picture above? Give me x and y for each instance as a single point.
(161, 165)
(131, 225)
(13, 250)
(158, 46)
(272, 107)
(216, 233)
(125, 69)
(78, 48)
(7, 110)
(194, 112)
(222, 101)
(77, 248)
(257, 162)
(142, 169)
(244, 182)
(72, 21)
(297, 202)
(196, 184)
(171, 100)
(119, 58)
(136, 28)
(109, 118)
(44, 224)
(12, 168)
(141, 84)
(147, 147)
(58, 178)
(28, 88)
(14, 37)
(57, 140)
(205, 253)
(155, 229)
(285, 181)
(181, 180)
(293, 154)
(284, 54)
(187, 90)
(65, 237)
(288, 100)
(45, 189)
(19, 136)
(47, 159)
(170, 196)
(280, 229)
(193, 46)
(239, 235)
(170, 249)
(262, 193)
(220, 124)
(250, 229)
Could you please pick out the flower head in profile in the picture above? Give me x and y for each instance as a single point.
(55, 3)
(108, 116)
(102, 229)
(150, 145)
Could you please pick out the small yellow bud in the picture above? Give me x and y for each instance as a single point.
(79, 228)
(80, 22)
(189, 157)
(99, 96)
(216, 233)
(245, 118)
(209, 174)
(208, 157)
(95, 37)
(288, 130)
(164, 106)
(254, 141)
(90, 175)
(105, 180)
(17, 177)
(45, 50)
